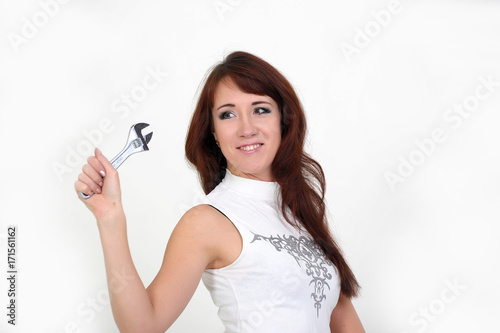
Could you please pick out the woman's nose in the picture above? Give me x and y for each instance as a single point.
(247, 127)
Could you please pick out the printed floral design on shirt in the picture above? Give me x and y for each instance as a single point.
(306, 251)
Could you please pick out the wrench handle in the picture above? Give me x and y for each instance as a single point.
(121, 157)
(129, 149)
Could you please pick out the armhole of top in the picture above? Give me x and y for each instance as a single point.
(242, 239)
(220, 212)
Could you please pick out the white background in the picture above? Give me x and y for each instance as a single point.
(438, 226)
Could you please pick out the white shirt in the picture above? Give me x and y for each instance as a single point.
(281, 281)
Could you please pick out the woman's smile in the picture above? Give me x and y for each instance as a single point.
(251, 148)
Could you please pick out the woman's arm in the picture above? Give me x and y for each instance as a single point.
(193, 245)
(344, 318)
(189, 250)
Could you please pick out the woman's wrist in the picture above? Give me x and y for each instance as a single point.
(112, 219)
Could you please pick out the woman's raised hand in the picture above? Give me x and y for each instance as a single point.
(100, 180)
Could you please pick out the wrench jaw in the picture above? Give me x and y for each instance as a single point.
(137, 140)
(146, 140)
(138, 132)
(135, 144)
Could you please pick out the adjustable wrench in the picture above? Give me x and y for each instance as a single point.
(136, 143)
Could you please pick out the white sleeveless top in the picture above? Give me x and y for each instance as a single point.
(281, 282)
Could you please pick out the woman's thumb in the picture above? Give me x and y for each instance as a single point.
(108, 167)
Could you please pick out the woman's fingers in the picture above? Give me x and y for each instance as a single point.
(81, 187)
(92, 173)
(96, 164)
(89, 182)
(99, 177)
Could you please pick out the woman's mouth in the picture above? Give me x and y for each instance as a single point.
(250, 148)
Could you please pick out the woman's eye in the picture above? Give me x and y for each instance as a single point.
(262, 110)
(226, 115)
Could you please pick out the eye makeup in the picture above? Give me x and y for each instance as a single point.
(225, 115)
(264, 110)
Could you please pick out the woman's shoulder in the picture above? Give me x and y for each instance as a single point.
(205, 228)
(202, 220)
(201, 212)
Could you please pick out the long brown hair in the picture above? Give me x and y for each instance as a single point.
(300, 177)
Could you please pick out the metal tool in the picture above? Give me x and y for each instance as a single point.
(136, 143)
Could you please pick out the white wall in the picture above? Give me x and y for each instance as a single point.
(424, 248)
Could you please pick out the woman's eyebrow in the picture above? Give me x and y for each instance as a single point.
(232, 105)
(260, 102)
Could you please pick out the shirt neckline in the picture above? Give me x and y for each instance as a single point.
(257, 189)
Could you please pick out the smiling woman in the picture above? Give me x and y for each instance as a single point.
(260, 241)
(247, 134)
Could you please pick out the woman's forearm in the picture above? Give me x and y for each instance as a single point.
(130, 303)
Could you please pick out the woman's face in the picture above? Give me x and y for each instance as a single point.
(248, 130)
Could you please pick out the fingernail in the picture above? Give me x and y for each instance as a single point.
(98, 151)
(98, 190)
(100, 184)
(102, 173)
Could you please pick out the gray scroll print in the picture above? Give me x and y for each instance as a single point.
(308, 252)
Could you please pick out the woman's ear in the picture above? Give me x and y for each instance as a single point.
(216, 140)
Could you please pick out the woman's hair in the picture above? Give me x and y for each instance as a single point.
(300, 177)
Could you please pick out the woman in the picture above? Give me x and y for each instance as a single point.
(260, 241)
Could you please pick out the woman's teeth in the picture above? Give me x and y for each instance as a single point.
(251, 147)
